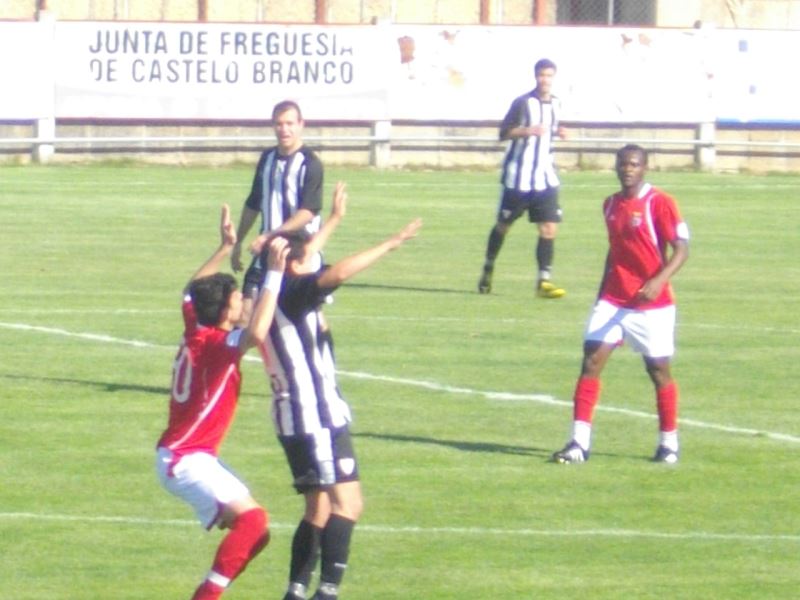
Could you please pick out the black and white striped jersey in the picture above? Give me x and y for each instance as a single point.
(529, 164)
(300, 362)
(282, 185)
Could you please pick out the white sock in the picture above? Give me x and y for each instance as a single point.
(669, 439)
(582, 433)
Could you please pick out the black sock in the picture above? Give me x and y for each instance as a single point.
(305, 552)
(335, 546)
(544, 255)
(493, 248)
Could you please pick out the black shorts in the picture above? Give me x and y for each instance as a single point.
(542, 206)
(253, 277)
(308, 471)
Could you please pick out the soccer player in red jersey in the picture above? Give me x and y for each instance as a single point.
(648, 244)
(205, 392)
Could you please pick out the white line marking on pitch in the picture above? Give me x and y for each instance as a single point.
(436, 387)
(412, 529)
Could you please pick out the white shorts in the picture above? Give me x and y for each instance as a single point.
(650, 332)
(201, 480)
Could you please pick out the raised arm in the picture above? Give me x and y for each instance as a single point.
(352, 265)
(246, 221)
(338, 210)
(227, 242)
(261, 317)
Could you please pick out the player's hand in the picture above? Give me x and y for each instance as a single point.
(236, 257)
(227, 231)
(339, 207)
(650, 290)
(278, 251)
(257, 245)
(409, 231)
(535, 130)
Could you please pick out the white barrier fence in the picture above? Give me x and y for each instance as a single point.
(195, 73)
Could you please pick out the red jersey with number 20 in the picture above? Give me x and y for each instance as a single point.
(639, 232)
(205, 387)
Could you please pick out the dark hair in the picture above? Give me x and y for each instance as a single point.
(210, 296)
(283, 106)
(297, 240)
(632, 148)
(542, 64)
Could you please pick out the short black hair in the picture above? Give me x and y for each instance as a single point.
(210, 296)
(542, 64)
(297, 240)
(284, 105)
(632, 148)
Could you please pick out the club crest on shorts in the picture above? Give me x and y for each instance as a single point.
(347, 465)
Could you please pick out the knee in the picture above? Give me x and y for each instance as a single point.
(659, 373)
(356, 508)
(351, 507)
(548, 231)
(501, 229)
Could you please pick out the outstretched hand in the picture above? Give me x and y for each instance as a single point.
(227, 231)
(278, 251)
(409, 231)
(339, 207)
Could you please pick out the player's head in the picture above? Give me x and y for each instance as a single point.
(632, 149)
(287, 121)
(216, 298)
(298, 244)
(286, 105)
(631, 166)
(542, 64)
(545, 72)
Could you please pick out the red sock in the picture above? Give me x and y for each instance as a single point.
(667, 402)
(247, 537)
(587, 392)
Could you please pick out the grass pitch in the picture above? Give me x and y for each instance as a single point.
(458, 398)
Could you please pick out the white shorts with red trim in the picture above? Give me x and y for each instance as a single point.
(650, 332)
(201, 480)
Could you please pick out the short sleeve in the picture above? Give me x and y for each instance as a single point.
(515, 117)
(312, 184)
(257, 189)
(669, 221)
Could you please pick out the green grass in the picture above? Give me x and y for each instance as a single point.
(458, 398)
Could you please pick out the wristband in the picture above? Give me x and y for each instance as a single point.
(272, 282)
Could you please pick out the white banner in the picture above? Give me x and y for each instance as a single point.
(26, 71)
(230, 71)
(216, 71)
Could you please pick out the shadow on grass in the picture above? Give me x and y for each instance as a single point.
(405, 288)
(101, 385)
(459, 445)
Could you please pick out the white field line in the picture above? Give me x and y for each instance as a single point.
(416, 530)
(436, 387)
(340, 316)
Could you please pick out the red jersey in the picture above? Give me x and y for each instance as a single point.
(639, 231)
(205, 387)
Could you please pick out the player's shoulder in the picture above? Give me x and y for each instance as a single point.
(267, 152)
(309, 155)
(661, 196)
(526, 97)
(265, 156)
